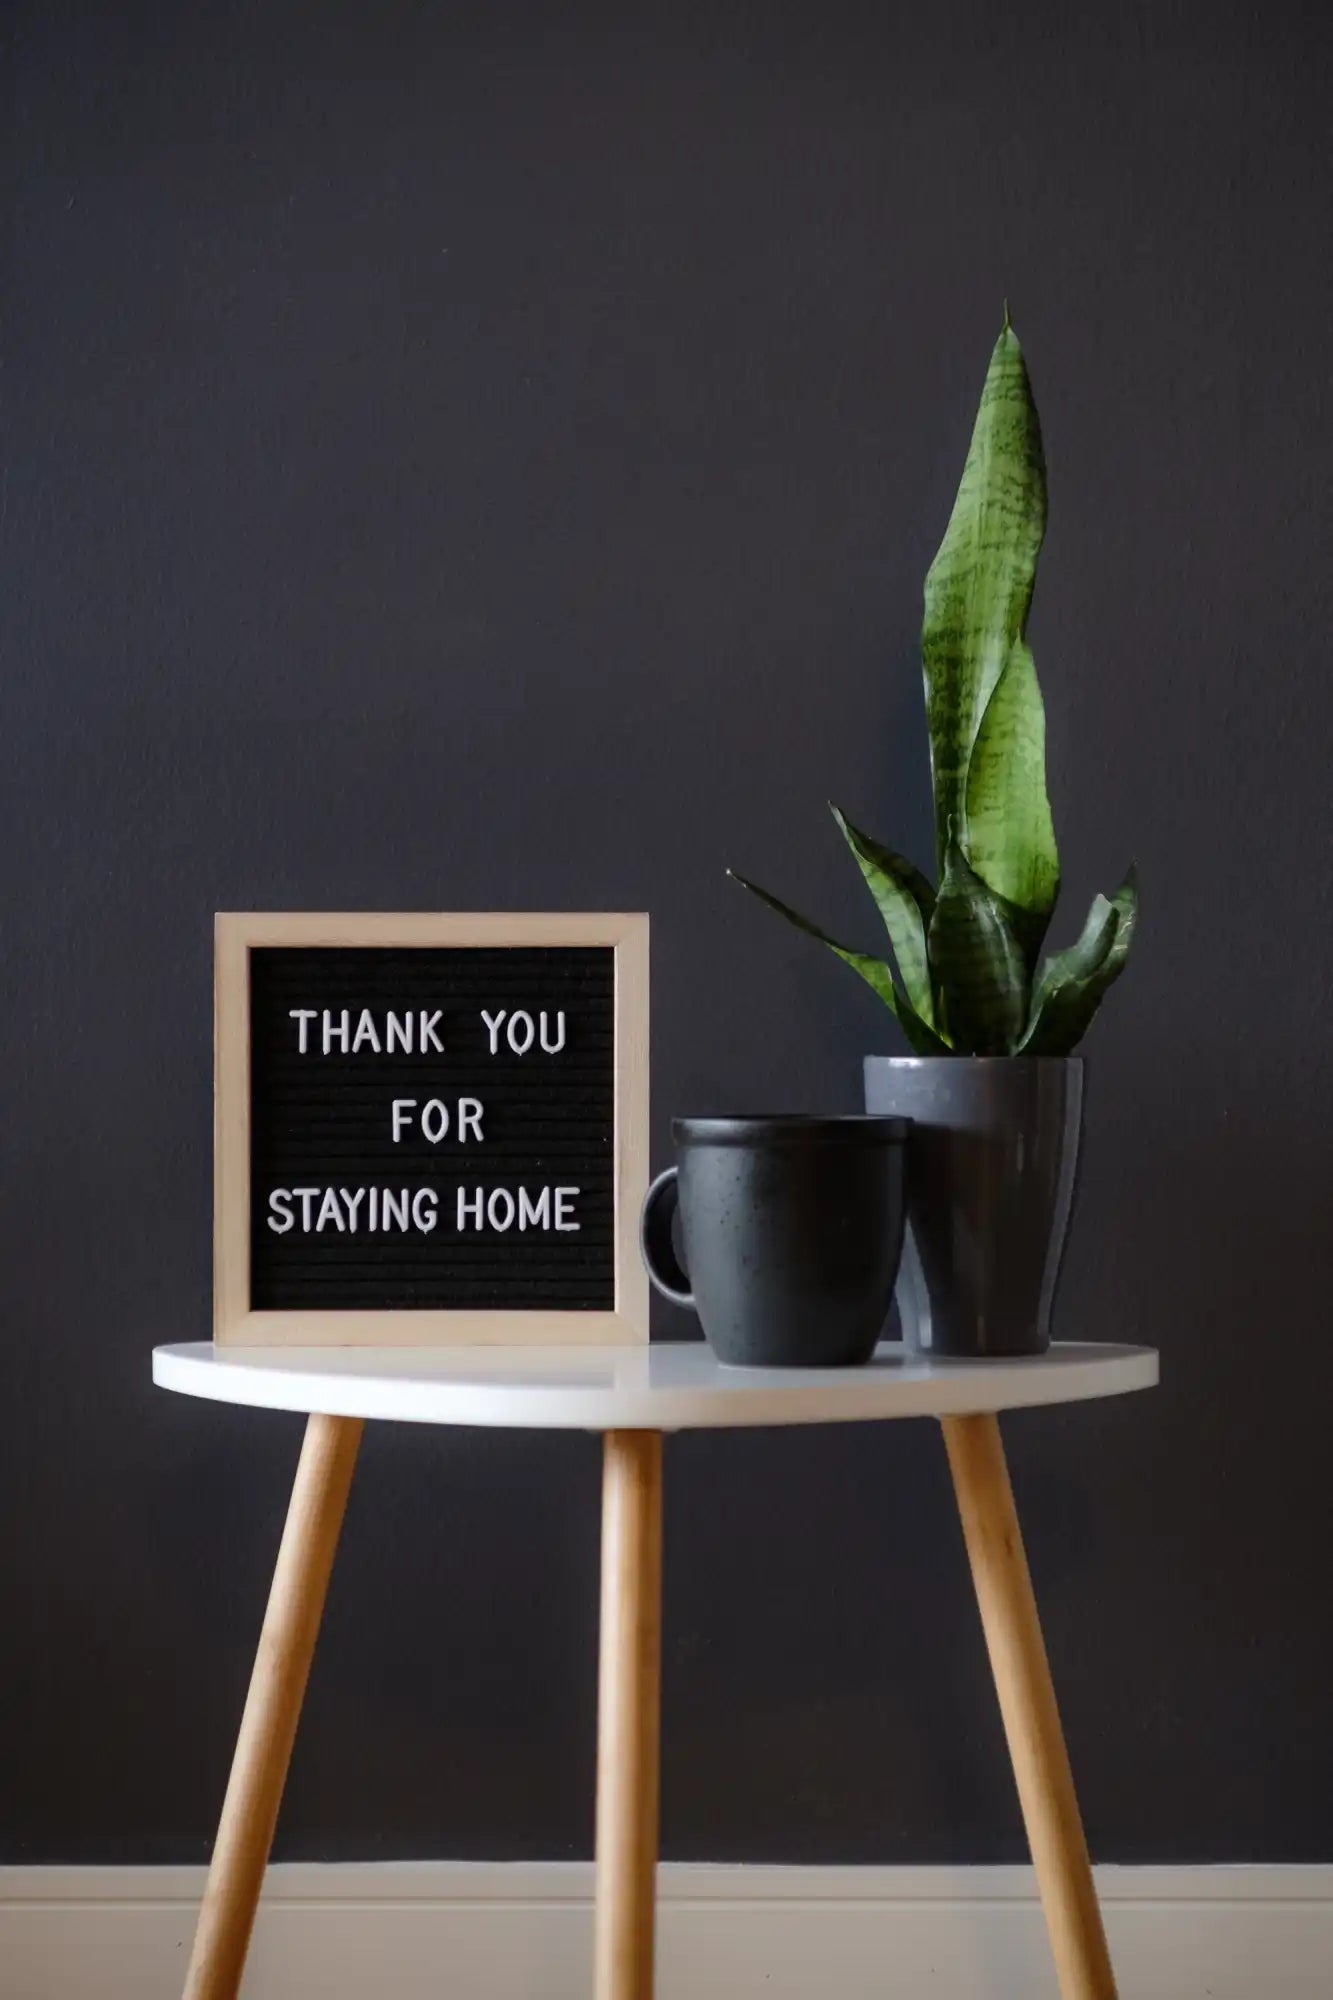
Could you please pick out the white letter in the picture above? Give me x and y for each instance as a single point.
(464, 1205)
(301, 1015)
(305, 1196)
(393, 1208)
(537, 1213)
(341, 1031)
(563, 1196)
(329, 1211)
(398, 1028)
(374, 1207)
(424, 1222)
(440, 1120)
(280, 1203)
(401, 1106)
(429, 1039)
(494, 1026)
(520, 1048)
(365, 1032)
(500, 1194)
(354, 1201)
(554, 1048)
(469, 1113)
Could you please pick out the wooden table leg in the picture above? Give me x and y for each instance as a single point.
(268, 1726)
(1027, 1703)
(628, 1713)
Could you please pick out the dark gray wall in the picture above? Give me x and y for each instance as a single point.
(466, 458)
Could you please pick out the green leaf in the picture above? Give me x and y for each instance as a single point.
(980, 972)
(905, 900)
(980, 584)
(1007, 832)
(877, 974)
(1072, 982)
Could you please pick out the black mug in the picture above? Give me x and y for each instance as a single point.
(792, 1229)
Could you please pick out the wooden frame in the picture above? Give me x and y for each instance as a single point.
(236, 935)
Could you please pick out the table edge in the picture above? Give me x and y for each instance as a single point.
(1096, 1371)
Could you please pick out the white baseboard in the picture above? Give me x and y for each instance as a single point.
(487, 1931)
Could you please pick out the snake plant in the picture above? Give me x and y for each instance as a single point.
(966, 975)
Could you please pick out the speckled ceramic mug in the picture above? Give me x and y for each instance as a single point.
(791, 1230)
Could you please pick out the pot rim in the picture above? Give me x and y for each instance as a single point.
(976, 1062)
(792, 1128)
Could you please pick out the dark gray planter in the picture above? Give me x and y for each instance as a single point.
(990, 1185)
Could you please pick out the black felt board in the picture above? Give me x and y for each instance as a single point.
(324, 1120)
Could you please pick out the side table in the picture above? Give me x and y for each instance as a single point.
(632, 1395)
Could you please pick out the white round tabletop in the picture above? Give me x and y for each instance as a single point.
(676, 1385)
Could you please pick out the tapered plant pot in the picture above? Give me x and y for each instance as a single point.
(990, 1185)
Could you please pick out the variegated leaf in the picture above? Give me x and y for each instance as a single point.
(980, 584)
(1008, 836)
(1072, 982)
(877, 974)
(905, 900)
(981, 976)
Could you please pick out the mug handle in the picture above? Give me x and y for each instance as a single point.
(656, 1247)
